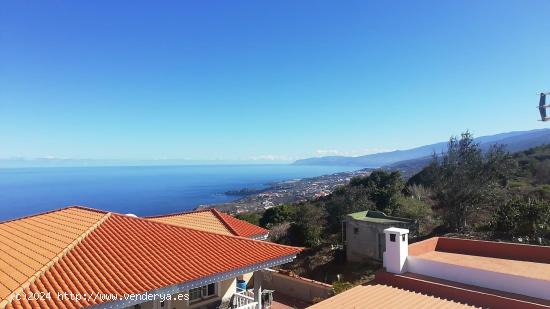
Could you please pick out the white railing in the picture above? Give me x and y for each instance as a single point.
(244, 300)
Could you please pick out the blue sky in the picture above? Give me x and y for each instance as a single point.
(249, 80)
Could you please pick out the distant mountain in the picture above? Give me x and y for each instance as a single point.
(514, 141)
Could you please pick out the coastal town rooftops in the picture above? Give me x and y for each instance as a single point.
(211, 220)
(89, 252)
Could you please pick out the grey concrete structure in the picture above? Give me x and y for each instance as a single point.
(363, 233)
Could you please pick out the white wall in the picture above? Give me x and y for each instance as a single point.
(478, 277)
(299, 288)
(225, 290)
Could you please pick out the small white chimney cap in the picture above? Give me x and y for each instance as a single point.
(395, 230)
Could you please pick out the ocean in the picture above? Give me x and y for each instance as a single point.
(140, 190)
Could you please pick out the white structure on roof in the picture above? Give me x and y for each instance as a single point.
(397, 249)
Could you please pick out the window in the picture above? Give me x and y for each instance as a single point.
(344, 231)
(392, 237)
(403, 236)
(202, 292)
(137, 306)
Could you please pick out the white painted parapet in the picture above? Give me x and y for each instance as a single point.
(516, 284)
(397, 250)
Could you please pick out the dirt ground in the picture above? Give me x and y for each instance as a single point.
(328, 265)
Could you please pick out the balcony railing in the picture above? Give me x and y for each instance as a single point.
(244, 300)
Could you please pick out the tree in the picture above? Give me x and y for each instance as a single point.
(523, 216)
(308, 225)
(383, 189)
(464, 179)
(250, 217)
(417, 209)
(346, 200)
(380, 190)
(277, 215)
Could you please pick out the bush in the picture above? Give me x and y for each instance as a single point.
(523, 217)
(250, 217)
(413, 208)
(308, 225)
(279, 233)
(341, 286)
(277, 215)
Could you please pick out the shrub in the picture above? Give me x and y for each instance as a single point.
(523, 217)
(250, 217)
(277, 215)
(341, 286)
(279, 233)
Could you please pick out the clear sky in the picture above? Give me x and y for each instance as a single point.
(245, 80)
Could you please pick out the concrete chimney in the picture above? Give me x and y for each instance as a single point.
(397, 249)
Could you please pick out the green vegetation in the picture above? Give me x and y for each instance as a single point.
(308, 225)
(341, 286)
(277, 215)
(467, 191)
(465, 181)
(250, 217)
(522, 217)
(483, 193)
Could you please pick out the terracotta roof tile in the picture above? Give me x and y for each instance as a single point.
(211, 220)
(132, 255)
(32, 244)
(204, 220)
(383, 296)
(240, 227)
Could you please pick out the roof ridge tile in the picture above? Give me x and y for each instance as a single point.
(54, 210)
(222, 219)
(173, 214)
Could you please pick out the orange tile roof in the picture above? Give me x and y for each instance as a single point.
(383, 296)
(204, 220)
(32, 244)
(115, 253)
(211, 220)
(240, 227)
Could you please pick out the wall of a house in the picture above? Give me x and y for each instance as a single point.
(300, 288)
(363, 237)
(226, 289)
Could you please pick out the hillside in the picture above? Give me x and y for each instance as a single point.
(401, 159)
(514, 142)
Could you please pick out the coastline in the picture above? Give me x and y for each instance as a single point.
(285, 192)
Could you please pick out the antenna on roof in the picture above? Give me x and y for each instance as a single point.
(542, 106)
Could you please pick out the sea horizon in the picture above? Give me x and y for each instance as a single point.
(140, 190)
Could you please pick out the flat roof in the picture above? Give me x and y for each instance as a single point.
(479, 249)
(418, 290)
(379, 218)
(527, 269)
